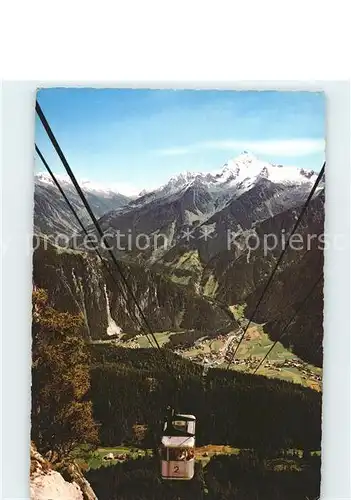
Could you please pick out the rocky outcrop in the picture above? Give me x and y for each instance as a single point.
(49, 484)
(74, 475)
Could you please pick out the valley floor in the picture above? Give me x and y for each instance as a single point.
(107, 456)
(217, 351)
(224, 473)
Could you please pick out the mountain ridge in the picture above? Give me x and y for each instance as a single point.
(194, 200)
(245, 168)
(183, 211)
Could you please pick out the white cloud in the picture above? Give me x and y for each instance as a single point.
(282, 147)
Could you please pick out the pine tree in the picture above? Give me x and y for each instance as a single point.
(62, 417)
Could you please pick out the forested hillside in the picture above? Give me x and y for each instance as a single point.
(104, 395)
(78, 283)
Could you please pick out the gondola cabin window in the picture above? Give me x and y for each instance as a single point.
(177, 454)
(180, 425)
(184, 426)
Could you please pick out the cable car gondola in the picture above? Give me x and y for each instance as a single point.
(178, 447)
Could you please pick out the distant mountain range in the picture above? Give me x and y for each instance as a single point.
(52, 216)
(187, 222)
(245, 191)
(190, 198)
(237, 175)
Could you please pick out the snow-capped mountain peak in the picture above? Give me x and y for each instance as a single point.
(243, 167)
(45, 178)
(88, 186)
(237, 175)
(247, 166)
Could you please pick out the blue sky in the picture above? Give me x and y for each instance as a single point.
(140, 138)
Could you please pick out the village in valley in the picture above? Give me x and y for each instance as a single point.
(217, 352)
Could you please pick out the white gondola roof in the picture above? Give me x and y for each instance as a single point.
(184, 415)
